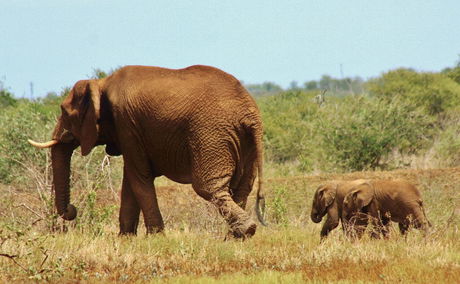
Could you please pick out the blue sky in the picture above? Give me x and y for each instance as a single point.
(54, 43)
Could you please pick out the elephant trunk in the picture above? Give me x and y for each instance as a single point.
(61, 155)
(315, 217)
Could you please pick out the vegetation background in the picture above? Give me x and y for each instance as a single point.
(403, 124)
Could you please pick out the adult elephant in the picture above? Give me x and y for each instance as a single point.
(195, 125)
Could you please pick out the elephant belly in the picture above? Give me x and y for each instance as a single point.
(184, 179)
(172, 161)
(174, 167)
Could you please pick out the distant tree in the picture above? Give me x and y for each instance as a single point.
(52, 98)
(357, 85)
(6, 98)
(327, 82)
(294, 86)
(311, 85)
(99, 74)
(336, 86)
(454, 72)
(266, 88)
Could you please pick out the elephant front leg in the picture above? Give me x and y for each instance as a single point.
(329, 225)
(129, 210)
(380, 227)
(141, 183)
(403, 227)
(356, 225)
(331, 222)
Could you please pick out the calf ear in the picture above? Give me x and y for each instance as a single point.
(89, 124)
(329, 195)
(363, 196)
(326, 195)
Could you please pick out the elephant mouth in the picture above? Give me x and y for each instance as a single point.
(316, 218)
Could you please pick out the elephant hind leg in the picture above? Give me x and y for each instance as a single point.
(245, 182)
(217, 191)
(419, 221)
(381, 227)
(356, 226)
(403, 228)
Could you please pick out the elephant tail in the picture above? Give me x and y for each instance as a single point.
(260, 199)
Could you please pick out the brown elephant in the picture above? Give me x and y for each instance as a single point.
(382, 201)
(328, 200)
(194, 125)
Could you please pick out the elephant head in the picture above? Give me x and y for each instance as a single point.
(356, 201)
(78, 125)
(323, 198)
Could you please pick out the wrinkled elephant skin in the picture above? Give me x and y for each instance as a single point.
(195, 125)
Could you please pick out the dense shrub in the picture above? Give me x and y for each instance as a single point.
(6, 98)
(447, 141)
(352, 133)
(360, 133)
(17, 124)
(433, 92)
(288, 127)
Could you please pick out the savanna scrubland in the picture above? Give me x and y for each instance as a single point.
(402, 124)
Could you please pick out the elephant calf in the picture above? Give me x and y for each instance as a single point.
(383, 200)
(328, 200)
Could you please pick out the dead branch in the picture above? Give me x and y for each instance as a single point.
(30, 209)
(12, 257)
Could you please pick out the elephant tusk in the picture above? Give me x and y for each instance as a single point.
(42, 145)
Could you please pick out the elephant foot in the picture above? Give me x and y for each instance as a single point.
(243, 231)
(128, 228)
(154, 230)
(127, 234)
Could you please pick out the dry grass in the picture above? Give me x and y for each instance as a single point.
(192, 248)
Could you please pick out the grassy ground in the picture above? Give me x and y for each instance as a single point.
(192, 248)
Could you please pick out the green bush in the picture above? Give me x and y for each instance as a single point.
(361, 132)
(350, 133)
(447, 144)
(6, 98)
(288, 126)
(17, 124)
(278, 206)
(434, 93)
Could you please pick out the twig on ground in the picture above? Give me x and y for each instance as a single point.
(30, 209)
(12, 257)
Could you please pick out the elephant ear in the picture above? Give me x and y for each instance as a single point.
(82, 110)
(89, 125)
(327, 195)
(362, 196)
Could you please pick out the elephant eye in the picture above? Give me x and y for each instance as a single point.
(65, 122)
